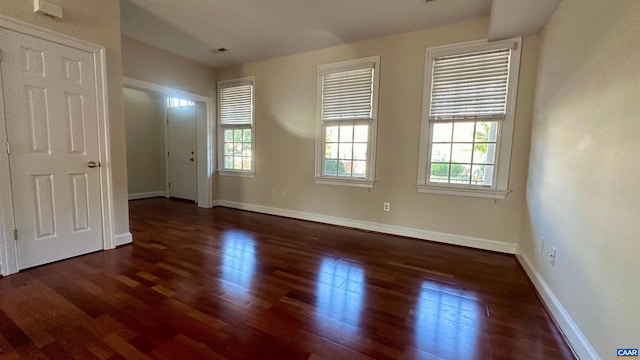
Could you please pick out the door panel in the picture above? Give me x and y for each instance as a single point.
(182, 149)
(80, 204)
(52, 116)
(43, 206)
(38, 114)
(76, 122)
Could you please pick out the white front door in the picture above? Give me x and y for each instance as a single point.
(50, 100)
(181, 130)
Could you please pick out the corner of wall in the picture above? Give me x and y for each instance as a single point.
(578, 342)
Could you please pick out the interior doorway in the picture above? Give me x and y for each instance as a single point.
(169, 143)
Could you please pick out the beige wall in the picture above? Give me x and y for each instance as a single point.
(144, 120)
(584, 176)
(97, 21)
(146, 62)
(286, 127)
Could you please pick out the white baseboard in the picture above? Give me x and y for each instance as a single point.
(124, 238)
(574, 335)
(454, 239)
(147, 195)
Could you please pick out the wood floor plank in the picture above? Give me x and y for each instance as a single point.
(11, 332)
(227, 284)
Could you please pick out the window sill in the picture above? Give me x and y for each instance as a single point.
(368, 184)
(485, 193)
(245, 174)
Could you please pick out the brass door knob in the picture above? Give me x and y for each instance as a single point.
(93, 164)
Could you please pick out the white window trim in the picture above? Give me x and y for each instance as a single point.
(237, 173)
(500, 189)
(369, 181)
(231, 172)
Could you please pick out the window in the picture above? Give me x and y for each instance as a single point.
(467, 125)
(173, 102)
(236, 114)
(347, 111)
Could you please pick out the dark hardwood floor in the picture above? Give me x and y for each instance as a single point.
(222, 283)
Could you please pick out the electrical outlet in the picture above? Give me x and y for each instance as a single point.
(552, 256)
(386, 207)
(274, 193)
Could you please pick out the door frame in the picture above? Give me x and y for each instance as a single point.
(8, 247)
(205, 139)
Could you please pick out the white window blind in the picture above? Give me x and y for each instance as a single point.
(470, 86)
(236, 104)
(348, 95)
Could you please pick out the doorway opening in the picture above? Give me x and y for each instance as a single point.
(169, 143)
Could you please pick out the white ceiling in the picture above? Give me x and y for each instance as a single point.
(510, 18)
(262, 29)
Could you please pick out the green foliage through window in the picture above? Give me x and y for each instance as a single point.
(237, 149)
(463, 152)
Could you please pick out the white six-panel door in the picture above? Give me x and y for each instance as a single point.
(50, 100)
(181, 133)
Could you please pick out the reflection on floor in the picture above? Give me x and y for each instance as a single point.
(340, 291)
(447, 318)
(222, 283)
(238, 262)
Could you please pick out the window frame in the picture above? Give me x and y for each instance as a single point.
(500, 187)
(369, 180)
(222, 127)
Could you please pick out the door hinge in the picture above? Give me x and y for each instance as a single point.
(168, 153)
(15, 234)
(8, 148)
(169, 185)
